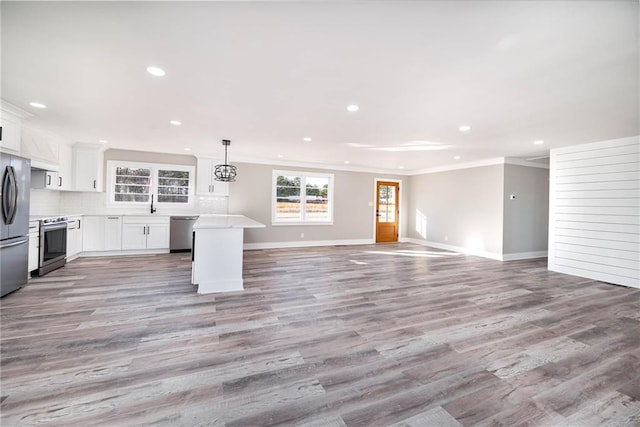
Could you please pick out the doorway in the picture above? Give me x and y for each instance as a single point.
(387, 211)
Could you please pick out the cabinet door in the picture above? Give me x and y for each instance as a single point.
(51, 180)
(87, 165)
(34, 253)
(134, 236)
(220, 188)
(78, 236)
(65, 157)
(204, 174)
(113, 233)
(93, 233)
(74, 240)
(205, 179)
(158, 236)
(10, 132)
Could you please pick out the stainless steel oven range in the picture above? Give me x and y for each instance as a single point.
(53, 244)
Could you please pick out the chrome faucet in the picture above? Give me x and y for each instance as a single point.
(152, 208)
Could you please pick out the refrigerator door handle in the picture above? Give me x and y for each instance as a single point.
(14, 195)
(14, 244)
(9, 195)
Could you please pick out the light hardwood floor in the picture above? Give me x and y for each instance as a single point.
(393, 334)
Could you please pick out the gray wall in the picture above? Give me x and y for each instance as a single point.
(146, 156)
(463, 208)
(526, 217)
(353, 218)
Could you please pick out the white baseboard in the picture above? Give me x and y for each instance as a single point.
(302, 244)
(524, 255)
(484, 254)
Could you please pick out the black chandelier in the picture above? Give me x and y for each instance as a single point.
(225, 172)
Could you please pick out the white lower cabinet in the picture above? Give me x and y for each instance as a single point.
(74, 237)
(102, 233)
(145, 232)
(34, 246)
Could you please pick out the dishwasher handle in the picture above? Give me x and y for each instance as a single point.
(183, 218)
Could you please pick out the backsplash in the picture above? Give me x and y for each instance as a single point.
(49, 202)
(44, 202)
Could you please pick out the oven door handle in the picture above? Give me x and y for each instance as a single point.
(51, 227)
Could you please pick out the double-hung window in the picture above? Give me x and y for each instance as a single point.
(134, 183)
(302, 198)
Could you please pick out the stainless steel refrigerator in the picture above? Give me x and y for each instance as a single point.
(15, 173)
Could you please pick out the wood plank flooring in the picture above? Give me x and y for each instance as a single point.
(375, 335)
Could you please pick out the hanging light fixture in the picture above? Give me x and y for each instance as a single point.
(225, 172)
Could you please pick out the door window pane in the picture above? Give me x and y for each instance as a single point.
(386, 203)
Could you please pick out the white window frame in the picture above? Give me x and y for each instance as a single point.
(153, 189)
(303, 185)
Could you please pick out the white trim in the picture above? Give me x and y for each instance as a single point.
(275, 173)
(452, 248)
(310, 165)
(527, 163)
(482, 163)
(524, 255)
(16, 111)
(397, 172)
(304, 244)
(468, 165)
(154, 168)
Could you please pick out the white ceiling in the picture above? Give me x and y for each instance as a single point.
(266, 75)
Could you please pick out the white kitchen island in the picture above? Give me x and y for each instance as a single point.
(217, 252)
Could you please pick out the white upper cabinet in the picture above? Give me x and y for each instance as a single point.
(10, 132)
(88, 162)
(11, 122)
(65, 174)
(205, 180)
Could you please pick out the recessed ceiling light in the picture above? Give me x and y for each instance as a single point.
(353, 108)
(456, 157)
(280, 156)
(187, 149)
(400, 167)
(538, 142)
(307, 139)
(346, 162)
(37, 105)
(175, 122)
(464, 128)
(155, 71)
(103, 141)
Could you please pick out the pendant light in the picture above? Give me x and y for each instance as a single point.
(225, 172)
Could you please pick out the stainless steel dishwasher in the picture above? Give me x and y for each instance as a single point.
(180, 230)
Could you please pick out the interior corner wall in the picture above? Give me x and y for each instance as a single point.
(459, 210)
(526, 217)
(353, 216)
(594, 211)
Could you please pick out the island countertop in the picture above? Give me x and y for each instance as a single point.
(209, 221)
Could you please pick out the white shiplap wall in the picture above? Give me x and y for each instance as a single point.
(594, 211)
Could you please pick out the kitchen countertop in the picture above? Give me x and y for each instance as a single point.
(209, 221)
